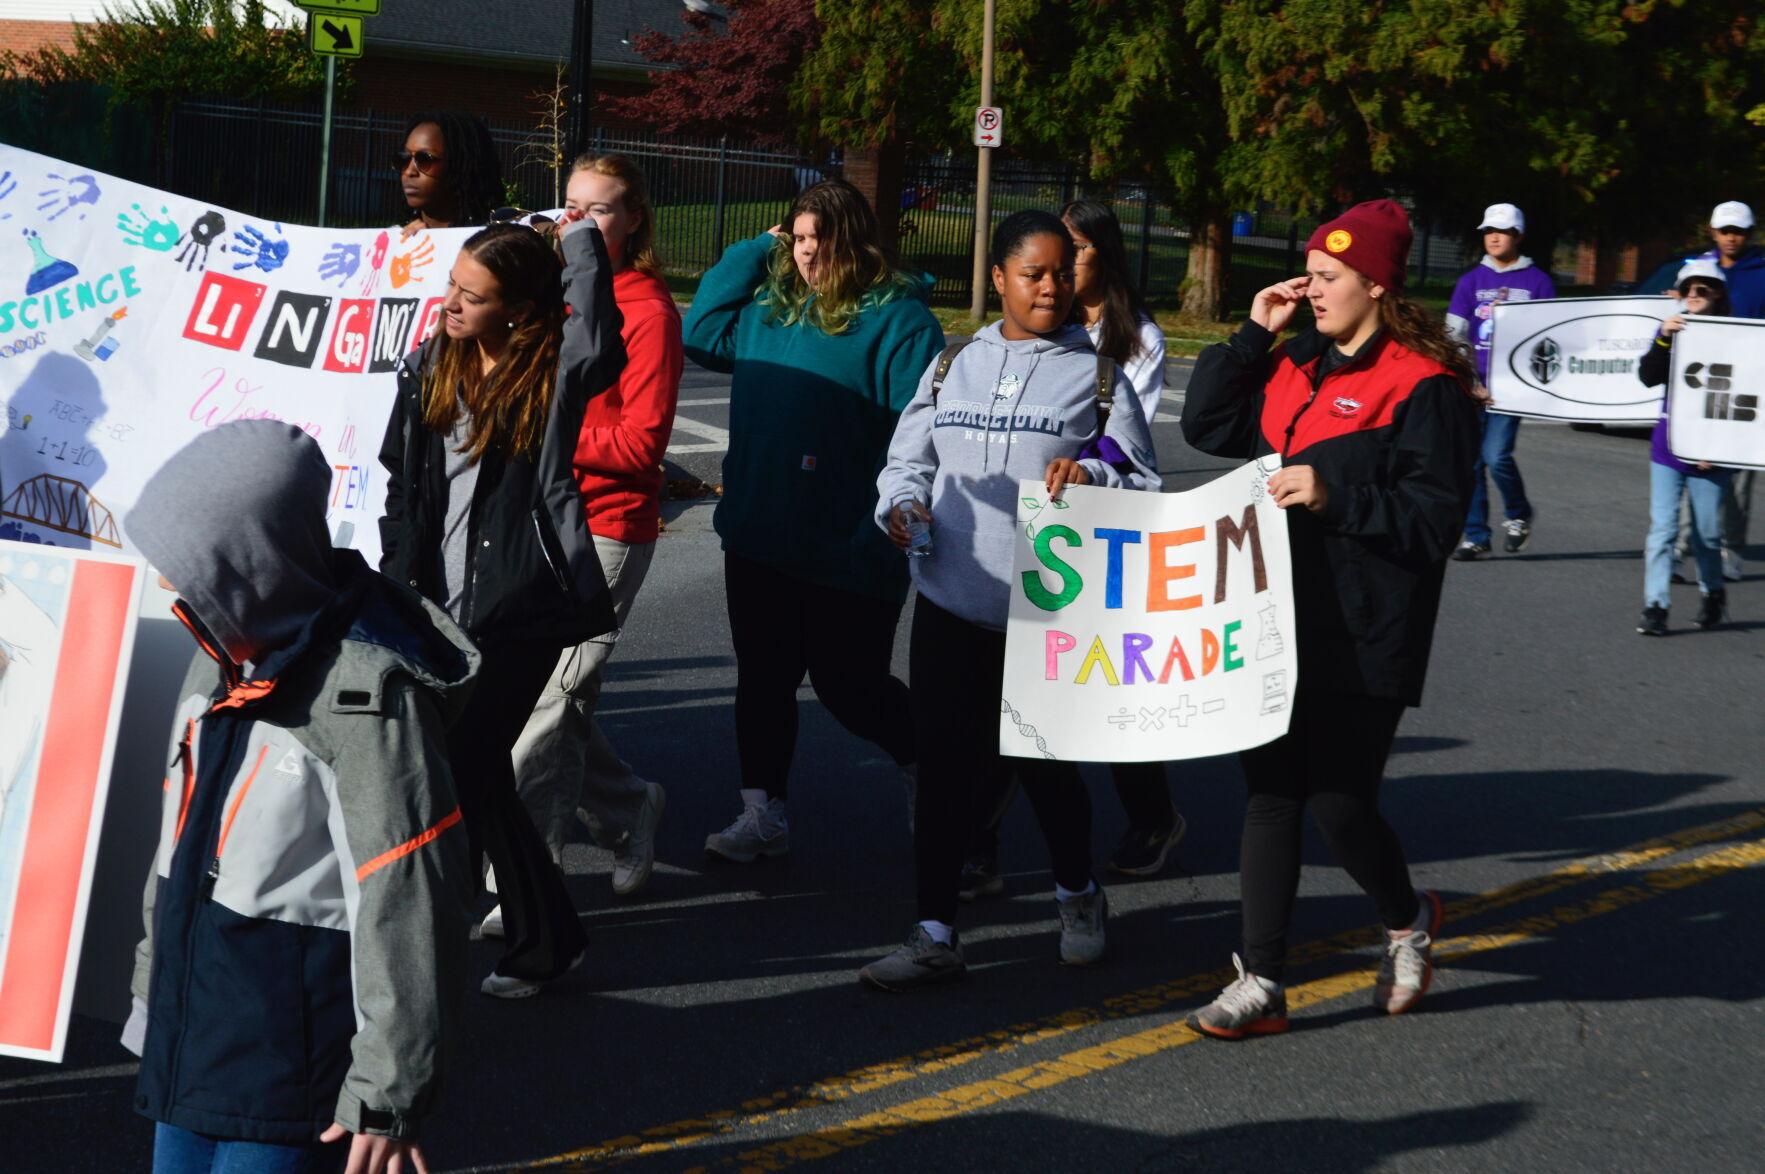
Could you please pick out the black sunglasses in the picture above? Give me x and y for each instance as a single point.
(1697, 290)
(425, 161)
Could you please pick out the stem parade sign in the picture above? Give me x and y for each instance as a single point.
(1149, 626)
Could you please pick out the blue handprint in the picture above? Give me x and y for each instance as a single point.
(341, 262)
(258, 248)
(8, 185)
(141, 229)
(80, 189)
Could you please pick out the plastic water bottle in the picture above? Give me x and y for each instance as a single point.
(919, 535)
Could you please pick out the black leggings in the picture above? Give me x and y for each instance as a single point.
(543, 933)
(1332, 758)
(1140, 787)
(958, 678)
(782, 628)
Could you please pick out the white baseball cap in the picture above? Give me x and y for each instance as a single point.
(1731, 214)
(1699, 267)
(1503, 216)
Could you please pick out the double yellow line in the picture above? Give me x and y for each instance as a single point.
(980, 1094)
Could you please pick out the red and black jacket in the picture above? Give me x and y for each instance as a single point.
(1394, 437)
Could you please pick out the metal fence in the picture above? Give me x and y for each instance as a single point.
(937, 228)
(263, 158)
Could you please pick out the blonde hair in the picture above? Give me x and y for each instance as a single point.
(857, 272)
(640, 246)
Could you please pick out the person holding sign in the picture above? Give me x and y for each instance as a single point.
(1502, 276)
(1029, 386)
(825, 335)
(1702, 289)
(484, 517)
(1116, 319)
(1374, 414)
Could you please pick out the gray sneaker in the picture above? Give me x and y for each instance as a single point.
(636, 857)
(760, 830)
(1081, 927)
(1245, 1007)
(921, 961)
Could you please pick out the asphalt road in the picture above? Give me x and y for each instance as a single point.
(1590, 803)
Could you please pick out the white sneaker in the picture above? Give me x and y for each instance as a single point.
(1081, 927)
(760, 830)
(503, 986)
(1731, 568)
(492, 925)
(633, 860)
(1407, 970)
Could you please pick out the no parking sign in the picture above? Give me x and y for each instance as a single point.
(989, 126)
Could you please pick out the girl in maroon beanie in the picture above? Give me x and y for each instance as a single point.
(1373, 415)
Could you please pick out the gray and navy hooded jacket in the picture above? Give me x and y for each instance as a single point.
(1034, 399)
(305, 917)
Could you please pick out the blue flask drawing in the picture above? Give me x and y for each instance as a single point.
(46, 271)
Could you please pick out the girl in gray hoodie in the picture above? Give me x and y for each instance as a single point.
(1025, 388)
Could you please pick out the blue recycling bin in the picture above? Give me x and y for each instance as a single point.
(1242, 223)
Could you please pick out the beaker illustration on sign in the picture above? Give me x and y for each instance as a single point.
(1268, 639)
(46, 271)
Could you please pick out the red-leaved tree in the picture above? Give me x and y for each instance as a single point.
(730, 76)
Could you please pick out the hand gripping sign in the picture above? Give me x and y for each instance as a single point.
(1149, 626)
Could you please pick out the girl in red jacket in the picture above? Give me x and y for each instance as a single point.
(562, 758)
(1373, 416)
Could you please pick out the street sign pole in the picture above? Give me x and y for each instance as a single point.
(325, 139)
(983, 179)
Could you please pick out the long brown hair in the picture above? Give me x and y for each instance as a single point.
(1415, 329)
(1119, 338)
(857, 272)
(509, 405)
(640, 246)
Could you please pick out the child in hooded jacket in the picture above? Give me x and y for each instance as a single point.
(306, 933)
(1019, 401)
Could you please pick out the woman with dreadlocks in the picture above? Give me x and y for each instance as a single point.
(448, 171)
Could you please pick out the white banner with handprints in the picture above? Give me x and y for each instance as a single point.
(1149, 626)
(1718, 385)
(132, 319)
(1574, 359)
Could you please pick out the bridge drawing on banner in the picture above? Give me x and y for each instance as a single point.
(63, 504)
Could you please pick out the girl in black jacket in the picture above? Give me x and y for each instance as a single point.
(1373, 416)
(483, 516)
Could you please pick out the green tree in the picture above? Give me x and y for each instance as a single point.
(1603, 118)
(153, 52)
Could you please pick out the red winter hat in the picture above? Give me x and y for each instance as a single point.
(1373, 238)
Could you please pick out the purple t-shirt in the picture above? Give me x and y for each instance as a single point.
(1478, 293)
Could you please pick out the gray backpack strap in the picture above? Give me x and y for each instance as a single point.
(942, 370)
(1105, 389)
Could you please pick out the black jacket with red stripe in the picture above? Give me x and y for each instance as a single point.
(1394, 438)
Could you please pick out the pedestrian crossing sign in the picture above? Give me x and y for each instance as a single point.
(331, 35)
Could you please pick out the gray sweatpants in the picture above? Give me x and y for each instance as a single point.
(563, 761)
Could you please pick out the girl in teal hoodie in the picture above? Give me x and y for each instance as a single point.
(827, 339)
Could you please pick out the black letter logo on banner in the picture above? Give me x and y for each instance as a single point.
(295, 330)
(1547, 360)
(393, 321)
(1719, 378)
(1721, 405)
